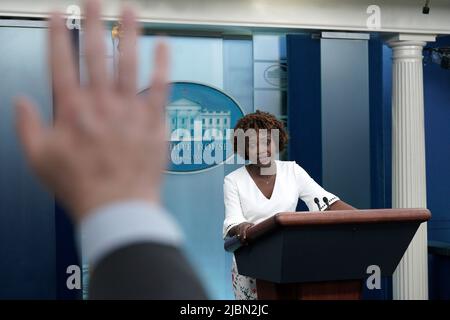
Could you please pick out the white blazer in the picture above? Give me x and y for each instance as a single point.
(244, 201)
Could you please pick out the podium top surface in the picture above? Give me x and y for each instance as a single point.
(315, 218)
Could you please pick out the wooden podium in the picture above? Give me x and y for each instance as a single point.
(324, 255)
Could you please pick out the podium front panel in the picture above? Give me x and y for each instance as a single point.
(326, 252)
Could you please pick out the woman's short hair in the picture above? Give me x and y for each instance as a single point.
(256, 121)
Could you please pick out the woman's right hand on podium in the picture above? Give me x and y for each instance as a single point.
(241, 231)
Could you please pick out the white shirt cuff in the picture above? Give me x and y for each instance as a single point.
(332, 199)
(117, 225)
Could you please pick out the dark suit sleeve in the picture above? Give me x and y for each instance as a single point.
(145, 271)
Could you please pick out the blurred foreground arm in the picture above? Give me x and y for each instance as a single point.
(103, 158)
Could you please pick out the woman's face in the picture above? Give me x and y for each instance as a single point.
(261, 149)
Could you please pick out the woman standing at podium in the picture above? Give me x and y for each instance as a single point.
(265, 186)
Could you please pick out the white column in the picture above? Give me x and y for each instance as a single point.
(410, 280)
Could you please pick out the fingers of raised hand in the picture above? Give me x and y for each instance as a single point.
(64, 75)
(157, 97)
(29, 128)
(127, 61)
(95, 48)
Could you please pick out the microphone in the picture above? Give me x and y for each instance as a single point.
(325, 199)
(317, 202)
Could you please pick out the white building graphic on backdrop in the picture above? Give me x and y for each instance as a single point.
(184, 114)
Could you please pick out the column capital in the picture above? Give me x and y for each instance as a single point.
(409, 39)
(408, 46)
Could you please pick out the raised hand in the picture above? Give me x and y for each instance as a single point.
(106, 143)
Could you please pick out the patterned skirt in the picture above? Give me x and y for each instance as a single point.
(244, 288)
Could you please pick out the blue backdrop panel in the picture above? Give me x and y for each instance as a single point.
(304, 103)
(345, 120)
(437, 147)
(27, 221)
(305, 108)
(380, 79)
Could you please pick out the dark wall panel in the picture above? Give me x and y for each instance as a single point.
(27, 226)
